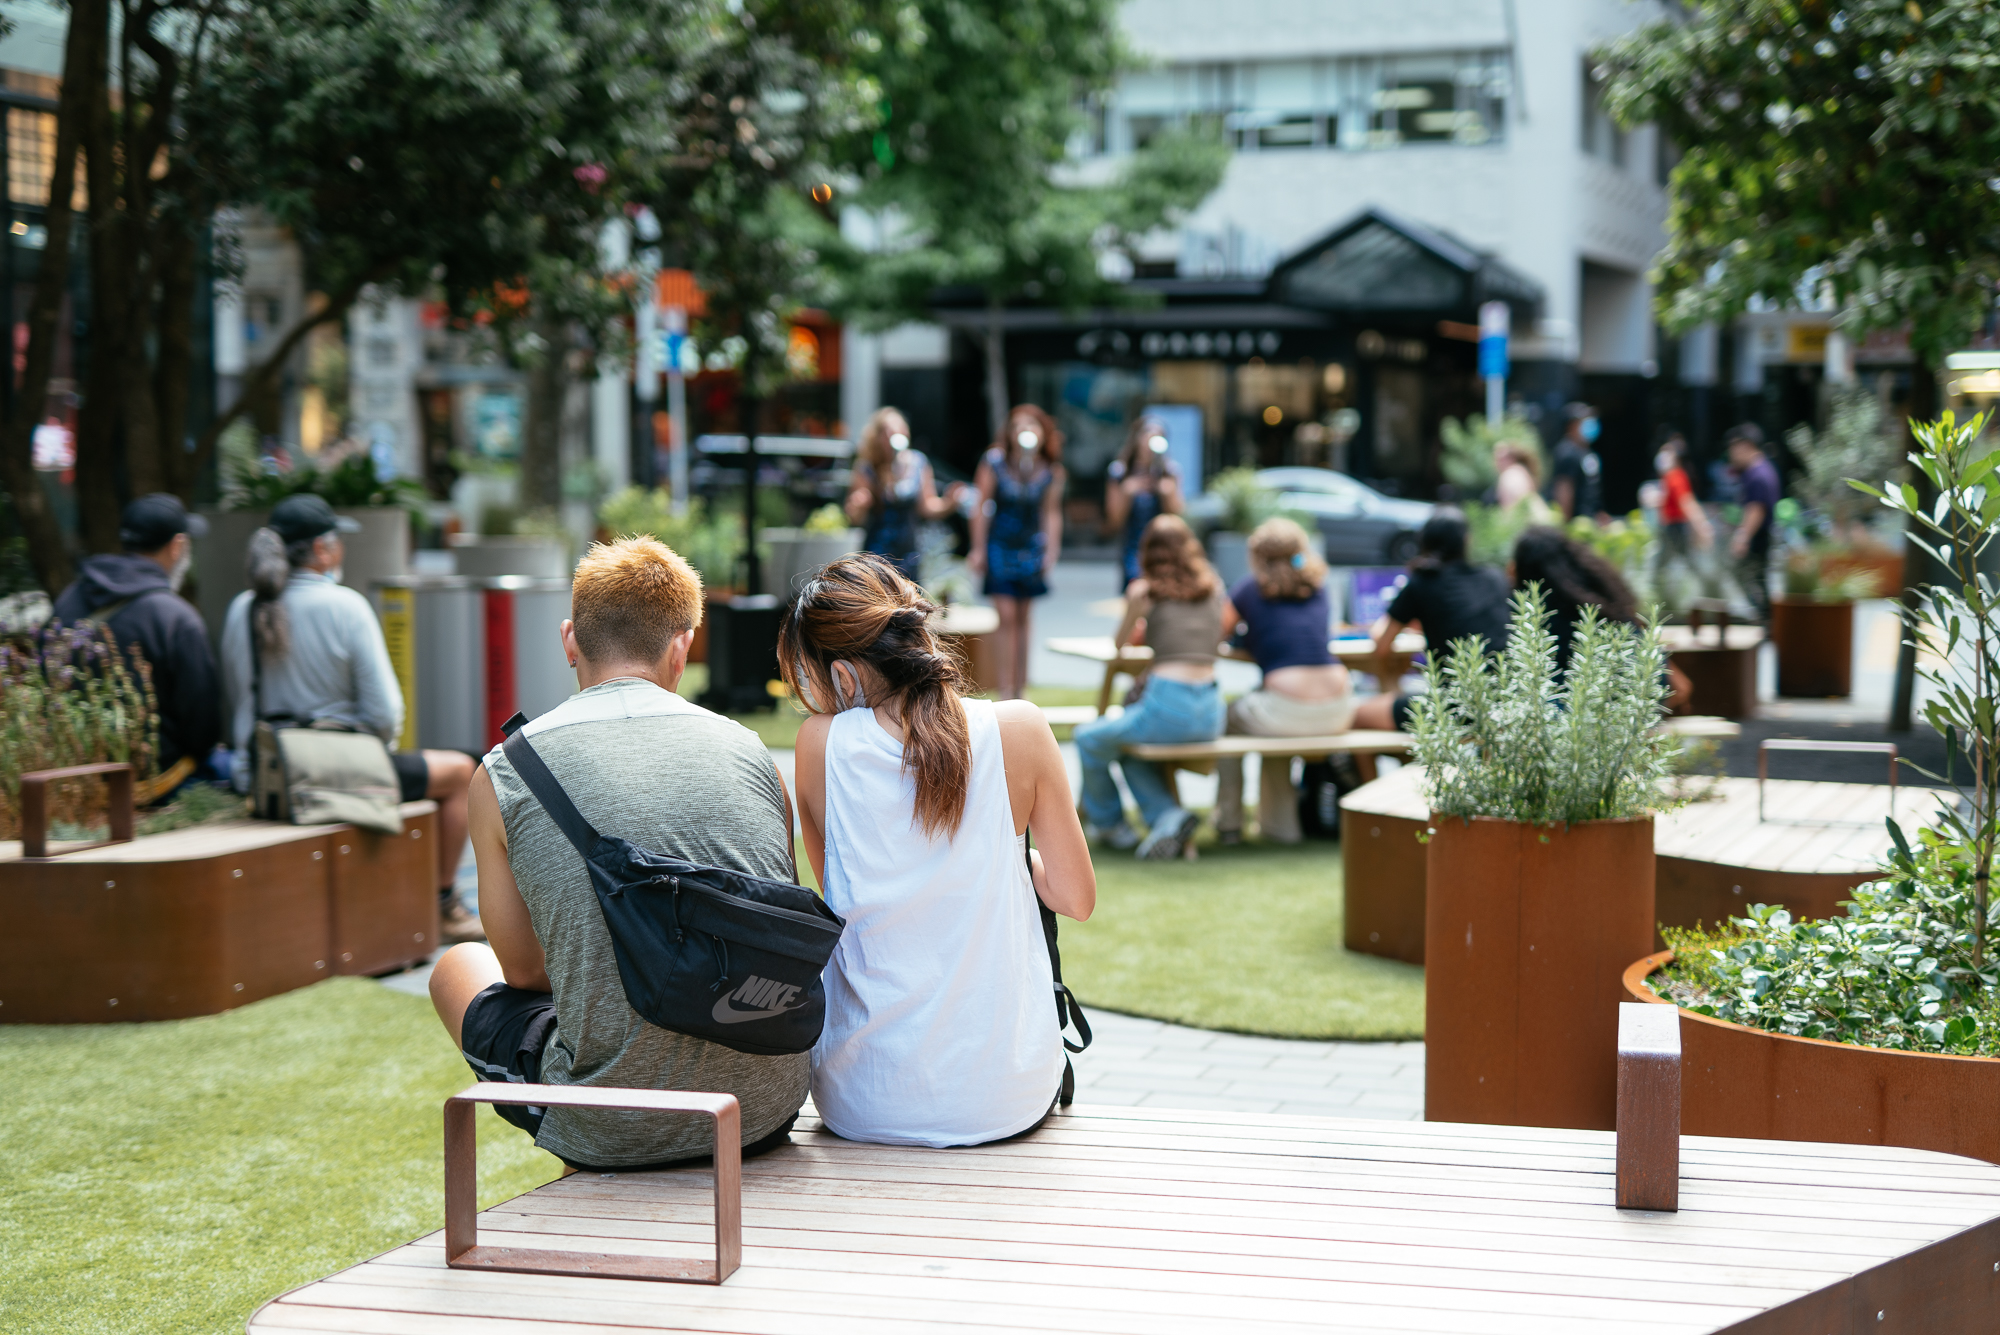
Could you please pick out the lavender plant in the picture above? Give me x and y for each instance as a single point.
(70, 697)
(1503, 736)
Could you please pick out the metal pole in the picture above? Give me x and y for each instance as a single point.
(677, 407)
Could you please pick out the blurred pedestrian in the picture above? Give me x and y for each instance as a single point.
(1448, 599)
(135, 595)
(1572, 577)
(1017, 531)
(1519, 471)
(895, 492)
(1684, 526)
(298, 645)
(1142, 483)
(1283, 617)
(1760, 490)
(1576, 474)
(1177, 607)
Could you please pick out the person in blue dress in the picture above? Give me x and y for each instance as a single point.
(1141, 484)
(1017, 531)
(895, 493)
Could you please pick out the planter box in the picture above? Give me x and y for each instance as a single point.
(536, 558)
(212, 917)
(381, 550)
(1744, 1082)
(1383, 866)
(1815, 643)
(1527, 930)
(795, 552)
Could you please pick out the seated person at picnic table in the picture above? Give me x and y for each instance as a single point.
(544, 1003)
(916, 804)
(1179, 609)
(1284, 618)
(1574, 577)
(1448, 598)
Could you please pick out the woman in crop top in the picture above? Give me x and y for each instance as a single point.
(1284, 620)
(1178, 609)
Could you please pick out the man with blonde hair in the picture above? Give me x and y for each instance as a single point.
(544, 1003)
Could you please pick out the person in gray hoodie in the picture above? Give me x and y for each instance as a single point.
(135, 594)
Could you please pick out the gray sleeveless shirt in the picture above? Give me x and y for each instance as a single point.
(645, 765)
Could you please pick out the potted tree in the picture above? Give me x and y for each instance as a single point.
(1539, 870)
(1839, 560)
(1881, 1026)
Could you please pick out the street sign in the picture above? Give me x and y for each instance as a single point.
(1494, 318)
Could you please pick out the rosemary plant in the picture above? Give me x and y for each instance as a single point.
(1503, 736)
(70, 698)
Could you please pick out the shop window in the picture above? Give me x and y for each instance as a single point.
(1289, 132)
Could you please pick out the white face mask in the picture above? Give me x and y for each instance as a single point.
(336, 573)
(1663, 462)
(841, 700)
(1158, 444)
(178, 575)
(1028, 441)
(899, 442)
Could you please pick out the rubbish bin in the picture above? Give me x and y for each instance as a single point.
(742, 654)
(468, 652)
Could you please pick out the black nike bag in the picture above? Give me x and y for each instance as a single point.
(703, 951)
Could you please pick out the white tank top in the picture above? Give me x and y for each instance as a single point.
(940, 1018)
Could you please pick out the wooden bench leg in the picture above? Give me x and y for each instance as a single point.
(1364, 761)
(1104, 691)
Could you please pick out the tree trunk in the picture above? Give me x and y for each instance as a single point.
(996, 369)
(83, 53)
(264, 376)
(1918, 569)
(541, 442)
(174, 362)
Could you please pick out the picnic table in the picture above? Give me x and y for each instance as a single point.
(1357, 652)
(1158, 1222)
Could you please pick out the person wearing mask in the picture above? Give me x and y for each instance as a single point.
(1141, 484)
(135, 595)
(1283, 618)
(916, 804)
(1576, 474)
(1017, 532)
(298, 644)
(1750, 545)
(895, 492)
(1518, 472)
(1178, 608)
(1683, 524)
(1448, 599)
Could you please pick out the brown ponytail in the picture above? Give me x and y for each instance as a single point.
(861, 609)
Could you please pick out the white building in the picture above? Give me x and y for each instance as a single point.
(1476, 123)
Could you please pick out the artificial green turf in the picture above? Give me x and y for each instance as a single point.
(1245, 939)
(170, 1177)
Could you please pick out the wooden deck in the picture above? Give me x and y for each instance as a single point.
(1157, 1222)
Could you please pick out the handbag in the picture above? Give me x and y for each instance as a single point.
(712, 953)
(318, 773)
(1068, 1009)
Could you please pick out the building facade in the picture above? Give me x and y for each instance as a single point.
(1472, 130)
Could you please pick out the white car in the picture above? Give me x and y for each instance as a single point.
(1361, 526)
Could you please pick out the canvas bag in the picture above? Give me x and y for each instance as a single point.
(319, 773)
(708, 952)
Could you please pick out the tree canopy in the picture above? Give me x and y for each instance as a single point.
(1850, 144)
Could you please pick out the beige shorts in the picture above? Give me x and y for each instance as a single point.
(1268, 714)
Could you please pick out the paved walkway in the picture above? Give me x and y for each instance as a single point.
(1149, 1063)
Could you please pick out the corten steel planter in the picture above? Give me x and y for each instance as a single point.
(1527, 932)
(1744, 1082)
(1382, 861)
(1815, 644)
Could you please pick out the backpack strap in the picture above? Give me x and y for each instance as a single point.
(528, 763)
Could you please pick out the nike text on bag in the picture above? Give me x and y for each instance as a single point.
(702, 951)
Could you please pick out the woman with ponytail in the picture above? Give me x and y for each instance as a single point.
(916, 803)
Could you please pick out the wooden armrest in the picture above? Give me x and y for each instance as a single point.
(35, 806)
(1649, 1106)
(461, 1184)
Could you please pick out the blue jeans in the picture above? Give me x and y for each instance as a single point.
(1169, 711)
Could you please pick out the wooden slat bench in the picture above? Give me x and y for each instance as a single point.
(1356, 652)
(1362, 744)
(1147, 1221)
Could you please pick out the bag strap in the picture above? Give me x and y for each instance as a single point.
(1069, 1011)
(528, 763)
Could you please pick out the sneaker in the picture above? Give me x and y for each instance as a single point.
(1168, 834)
(1120, 836)
(458, 924)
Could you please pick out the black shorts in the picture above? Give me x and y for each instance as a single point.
(506, 1031)
(413, 774)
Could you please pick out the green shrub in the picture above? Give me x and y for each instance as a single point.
(70, 698)
(829, 518)
(1504, 736)
(712, 544)
(1899, 971)
(1467, 461)
(350, 484)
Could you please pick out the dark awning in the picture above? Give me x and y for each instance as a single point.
(1377, 263)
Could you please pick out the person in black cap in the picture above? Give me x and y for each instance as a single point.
(319, 654)
(134, 593)
(1576, 474)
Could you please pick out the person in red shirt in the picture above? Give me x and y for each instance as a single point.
(1683, 523)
